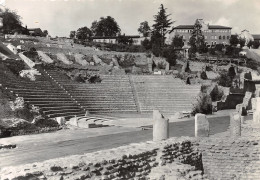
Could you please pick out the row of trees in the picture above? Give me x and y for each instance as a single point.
(104, 27)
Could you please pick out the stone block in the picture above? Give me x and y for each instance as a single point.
(160, 126)
(74, 121)
(61, 120)
(235, 125)
(201, 125)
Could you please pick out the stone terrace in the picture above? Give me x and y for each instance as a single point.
(43, 92)
(113, 94)
(164, 93)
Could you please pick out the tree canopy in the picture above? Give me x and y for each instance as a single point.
(11, 21)
(177, 42)
(105, 27)
(144, 29)
(72, 34)
(84, 33)
(234, 40)
(197, 41)
(162, 23)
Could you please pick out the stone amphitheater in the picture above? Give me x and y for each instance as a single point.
(233, 154)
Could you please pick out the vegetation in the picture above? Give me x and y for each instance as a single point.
(197, 41)
(203, 75)
(105, 27)
(84, 33)
(216, 94)
(177, 42)
(203, 104)
(162, 25)
(144, 29)
(225, 80)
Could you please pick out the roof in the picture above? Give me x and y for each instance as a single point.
(256, 36)
(112, 37)
(34, 29)
(210, 27)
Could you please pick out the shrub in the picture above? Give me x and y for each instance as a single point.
(15, 66)
(203, 75)
(161, 65)
(203, 104)
(94, 79)
(42, 122)
(224, 80)
(216, 94)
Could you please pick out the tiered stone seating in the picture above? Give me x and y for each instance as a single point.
(113, 94)
(52, 100)
(165, 93)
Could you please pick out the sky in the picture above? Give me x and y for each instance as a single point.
(60, 17)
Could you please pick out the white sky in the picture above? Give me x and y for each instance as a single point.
(60, 17)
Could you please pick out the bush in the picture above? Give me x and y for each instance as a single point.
(225, 80)
(42, 122)
(94, 79)
(216, 94)
(161, 65)
(203, 75)
(15, 66)
(203, 104)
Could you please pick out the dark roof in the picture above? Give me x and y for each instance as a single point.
(210, 27)
(112, 37)
(256, 36)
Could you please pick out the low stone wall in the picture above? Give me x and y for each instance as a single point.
(134, 161)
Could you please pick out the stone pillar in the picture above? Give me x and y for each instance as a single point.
(74, 121)
(160, 126)
(61, 120)
(167, 67)
(201, 125)
(256, 115)
(235, 125)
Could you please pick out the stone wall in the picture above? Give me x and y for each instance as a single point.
(134, 161)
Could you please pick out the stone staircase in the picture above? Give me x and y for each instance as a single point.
(113, 94)
(164, 93)
(52, 100)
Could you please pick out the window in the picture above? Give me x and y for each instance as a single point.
(206, 37)
(215, 37)
(227, 37)
(224, 37)
(219, 37)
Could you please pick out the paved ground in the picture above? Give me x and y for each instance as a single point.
(52, 145)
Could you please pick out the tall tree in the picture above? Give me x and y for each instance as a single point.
(197, 41)
(11, 21)
(45, 32)
(105, 27)
(177, 42)
(83, 33)
(162, 23)
(234, 40)
(144, 29)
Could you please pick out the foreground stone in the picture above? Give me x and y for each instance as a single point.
(126, 162)
(235, 125)
(201, 125)
(160, 126)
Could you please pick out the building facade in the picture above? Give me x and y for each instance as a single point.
(213, 34)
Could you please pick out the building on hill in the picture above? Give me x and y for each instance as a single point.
(214, 34)
(256, 37)
(114, 39)
(36, 32)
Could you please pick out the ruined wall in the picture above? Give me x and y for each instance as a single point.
(127, 162)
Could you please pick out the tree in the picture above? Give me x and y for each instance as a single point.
(242, 42)
(84, 33)
(124, 40)
(255, 44)
(105, 27)
(177, 42)
(144, 29)
(234, 40)
(162, 24)
(197, 41)
(11, 21)
(146, 43)
(45, 32)
(72, 34)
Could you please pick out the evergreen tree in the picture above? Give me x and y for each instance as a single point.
(162, 24)
(197, 41)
